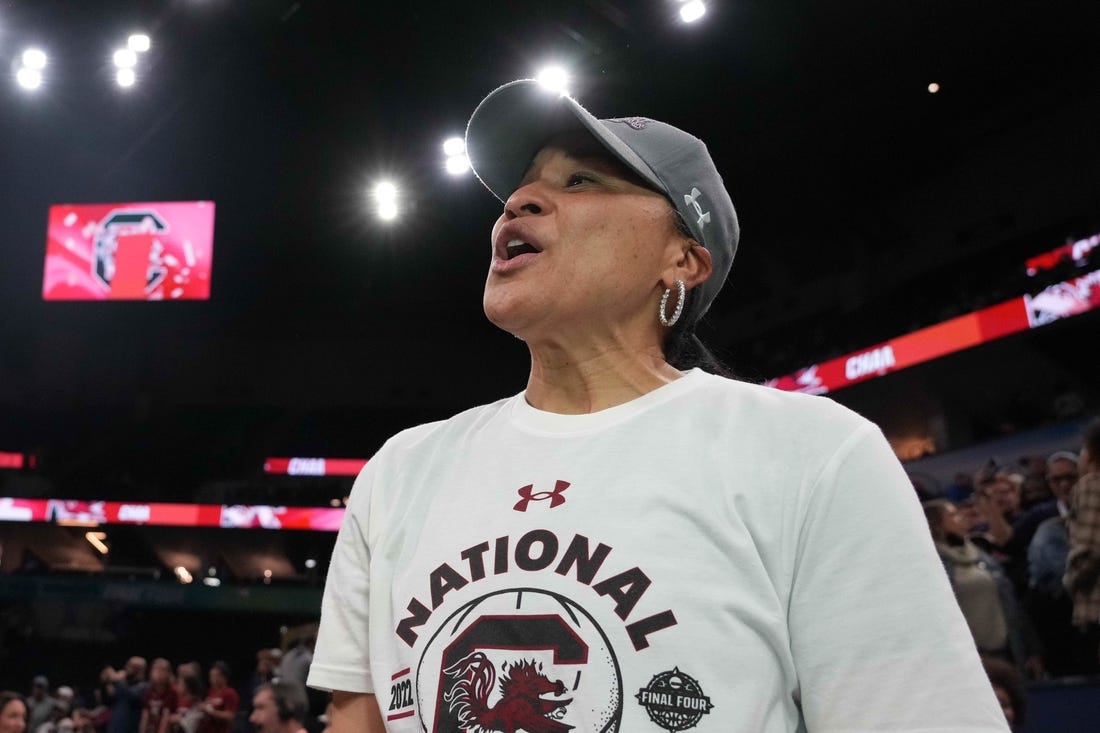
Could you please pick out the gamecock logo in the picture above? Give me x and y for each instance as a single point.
(514, 661)
(521, 705)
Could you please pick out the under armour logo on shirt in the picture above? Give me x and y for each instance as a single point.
(528, 495)
(692, 198)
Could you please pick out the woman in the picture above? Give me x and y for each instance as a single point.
(1082, 578)
(221, 703)
(13, 712)
(632, 541)
(161, 699)
(984, 591)
(188, 712)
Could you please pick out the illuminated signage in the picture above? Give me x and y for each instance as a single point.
(1061, 300)
(238, 516)
(129, 251)
(315, 466)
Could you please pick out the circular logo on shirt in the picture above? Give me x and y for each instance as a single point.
(674, 700)
(519, 659)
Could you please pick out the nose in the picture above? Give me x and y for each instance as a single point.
(527, 200)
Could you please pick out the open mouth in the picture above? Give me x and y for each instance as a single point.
(517, 247)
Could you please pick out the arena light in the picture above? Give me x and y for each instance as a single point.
(456, 165)
(692, 11)
(34, 58)
(125, 58)
(212, 582)
(138, 42)
(125, 78)
(456, 162)
(555, 78)
(933, 88)
(385, 200)
(183, 574)
(454, 146)
(28, 78)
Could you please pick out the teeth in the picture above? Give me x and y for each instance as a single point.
(517, 247)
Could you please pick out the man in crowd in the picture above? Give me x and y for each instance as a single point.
(40, 704)
(125, 695)
(279, 707)
(1048, 602)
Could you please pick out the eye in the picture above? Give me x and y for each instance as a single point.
(579, 178)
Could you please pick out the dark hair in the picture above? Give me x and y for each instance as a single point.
(683, 349)
(9, 696)
(934, 509)
(1004, 674)
(222, 667)
(290, 698)
(192, 685)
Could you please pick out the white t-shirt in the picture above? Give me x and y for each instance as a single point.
(712, 556)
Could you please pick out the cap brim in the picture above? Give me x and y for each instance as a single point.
(516, 120)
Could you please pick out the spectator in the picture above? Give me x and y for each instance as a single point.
(1008, 686)
(1033, 490)
(1009, 527)
(40, 704)
(60, 712)
(189, 711)
(13, 712)
(279, 707)
(220, 707)
(1083, 562)
(266, 661)
(193, 670)
(983, 591)
(1048, 603)
(161, 699)
(125, 695)
(295, 663)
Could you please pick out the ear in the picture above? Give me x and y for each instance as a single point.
(693, 265)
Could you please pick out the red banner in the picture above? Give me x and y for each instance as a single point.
(95, 513)
(315, 466)
(1063, 300)
(1076, 251)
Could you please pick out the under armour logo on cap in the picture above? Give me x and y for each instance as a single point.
(693, 200)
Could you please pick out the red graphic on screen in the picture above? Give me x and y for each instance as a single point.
(129, 251)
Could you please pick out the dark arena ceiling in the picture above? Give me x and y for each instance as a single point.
(869, 205)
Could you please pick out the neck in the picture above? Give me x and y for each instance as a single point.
(574, 379)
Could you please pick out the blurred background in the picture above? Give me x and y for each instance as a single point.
(917, 185)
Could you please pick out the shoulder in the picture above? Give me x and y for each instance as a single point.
(425, 436)
(789, 418)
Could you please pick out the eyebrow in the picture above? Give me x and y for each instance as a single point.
(600, 161)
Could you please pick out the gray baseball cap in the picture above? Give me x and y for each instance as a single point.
(515, 120)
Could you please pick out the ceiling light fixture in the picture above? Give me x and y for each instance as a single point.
(98, 541)
(692, 11)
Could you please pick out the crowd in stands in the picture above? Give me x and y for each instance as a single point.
(144, 697)
(1021, 547)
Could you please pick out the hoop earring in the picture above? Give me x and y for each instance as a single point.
(665, 321)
